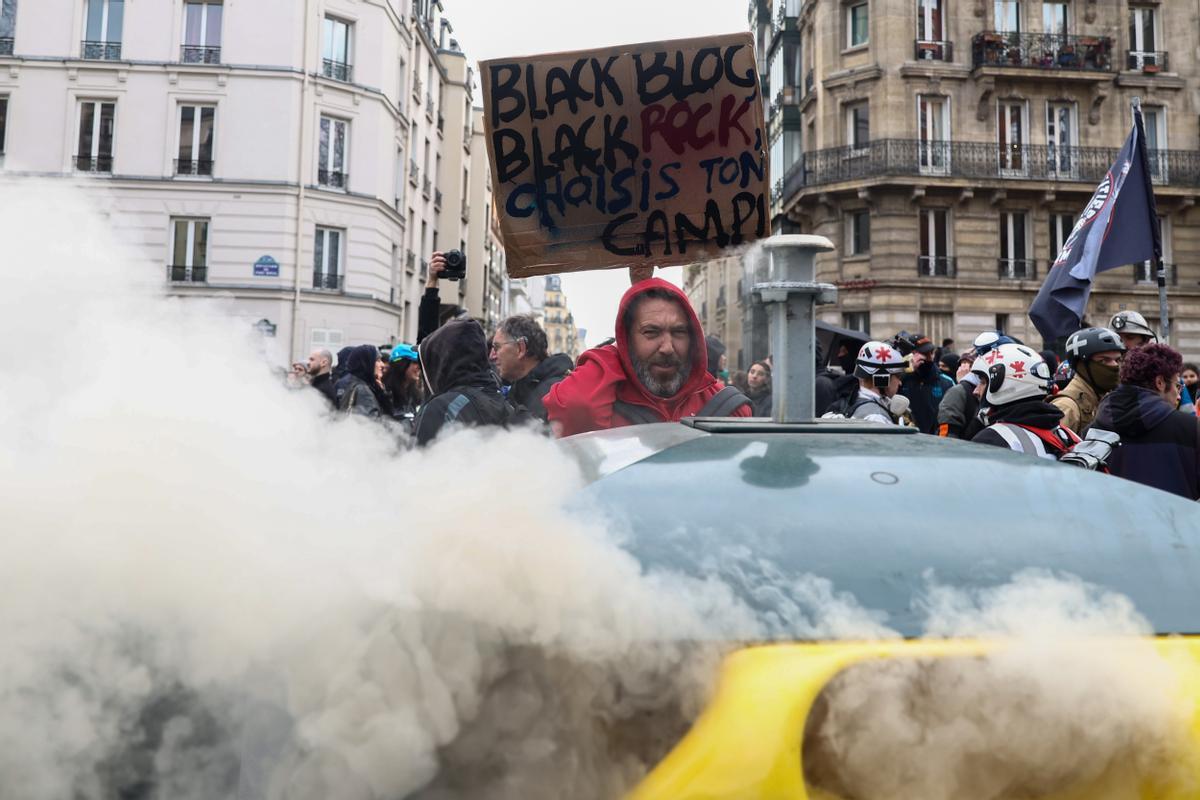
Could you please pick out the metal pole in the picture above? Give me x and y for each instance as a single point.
(1163, 310)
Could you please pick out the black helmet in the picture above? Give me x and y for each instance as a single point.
(1089, 341)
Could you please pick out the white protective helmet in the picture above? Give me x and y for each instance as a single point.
(877, 362)
(1132, 322)
(1016, 372)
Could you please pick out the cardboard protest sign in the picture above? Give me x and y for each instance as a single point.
(649, 154)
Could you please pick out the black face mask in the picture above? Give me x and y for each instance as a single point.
(926, 369)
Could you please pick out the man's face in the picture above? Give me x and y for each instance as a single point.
(918, 358)
(1133, 341)
(317, 365)
(506, 354)
(1110, 358)
(660, 343)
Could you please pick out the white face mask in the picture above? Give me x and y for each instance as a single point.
(898, 404)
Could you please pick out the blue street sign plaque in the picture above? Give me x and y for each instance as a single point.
(266, 267)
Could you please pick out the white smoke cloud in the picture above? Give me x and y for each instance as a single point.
(210, 590)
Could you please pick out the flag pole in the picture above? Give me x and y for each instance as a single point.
(1163, 306)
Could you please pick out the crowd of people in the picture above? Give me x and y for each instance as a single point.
(1120, 401)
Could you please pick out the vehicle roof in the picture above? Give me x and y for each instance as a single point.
(879, 515)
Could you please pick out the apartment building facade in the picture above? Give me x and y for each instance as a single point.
(947, 147)
(283, 154)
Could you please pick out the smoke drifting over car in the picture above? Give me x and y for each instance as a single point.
(212, 591)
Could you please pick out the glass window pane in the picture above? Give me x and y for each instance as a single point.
(925, 222)
(327, 39)
(207, 122)
(200, 243)
(339, 147)
(940, 232)
(187, 131)
(212, 31)
(1149, 34)
(179, 251)
(116, 16)
(335, 239)
(107, 112)
(1005, 232)
(1019, 236)
(87, 122)
(192, 31)
(93, 24)
(319, 252)
(8, 17)
(3, 120)
(323, 146)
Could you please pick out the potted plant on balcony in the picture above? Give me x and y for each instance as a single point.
(1149, 66)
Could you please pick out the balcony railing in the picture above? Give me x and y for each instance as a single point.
(1016, 269)
(933, 50)
(194, 54)
(437, 198)
(101, 51)
(322, 280)
(337, 70)
(194, 167)
(179, 273)
(89, 164)
(333, 179)
(1147, 60)
(937, 266)
(426, 187)
(979, 160)
(1046, 51)
(6, 45)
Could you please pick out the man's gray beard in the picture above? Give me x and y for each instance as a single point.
(662, 388)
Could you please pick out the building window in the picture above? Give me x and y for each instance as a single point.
(8, 26)
(402, 99)
(1056, 19)
(935, 259)
(856, 24)
(196, 126)
(189, 250)
(937, 326)
(1014, 246)
(331, 155)
(1147, 271)
(858, 233)
(931, 33)
(327, 258)
(1010, 137)
(1002, 323)
(933, 128)
(1143, 37)
(1007, 15)
(858, 127)
(3, 123)
(335, 50)
(401, 177)
(1061, 226)
(326, 339)
(96, 128)
(1060, 139)
(202, 32)
(102, 22)
(857, 321)
(1154, 119)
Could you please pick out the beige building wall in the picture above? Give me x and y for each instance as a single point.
(715, 290)
(486, 296)
(558, 321)
(1002, 135)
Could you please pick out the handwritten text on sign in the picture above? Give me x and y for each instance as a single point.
(651, 154)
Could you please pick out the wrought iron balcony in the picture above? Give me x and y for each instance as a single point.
(89, 164)
(1046, 51)
(1017, 269)
(1147, 60)
(937, 266)
(978, 160)
(6, 45)
(179, 273)
(203, 167)
(195, 54)
(101, 51)
(933, 50)
(337, 70)
(322, 280)
(333, 179)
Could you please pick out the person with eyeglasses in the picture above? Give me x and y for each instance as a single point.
(520, 355)
(1160, 446)
(1095, 356)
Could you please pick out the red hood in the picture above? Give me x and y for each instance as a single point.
(584, 400)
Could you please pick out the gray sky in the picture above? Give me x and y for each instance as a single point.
(497, 28)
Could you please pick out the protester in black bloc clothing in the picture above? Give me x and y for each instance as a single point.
(825, 388)
(925, 385)
(462, 386)
(320, 374)
(519, 353)
(356, 389)
(339, 368)
(1160, 446)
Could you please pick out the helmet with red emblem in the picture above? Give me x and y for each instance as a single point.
(877, 362)
(1016, 372)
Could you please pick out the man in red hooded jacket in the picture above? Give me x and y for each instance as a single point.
(657, 371)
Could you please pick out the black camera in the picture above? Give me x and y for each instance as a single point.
(905, 342)
(456, 266)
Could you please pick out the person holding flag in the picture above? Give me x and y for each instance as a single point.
(1119, 226)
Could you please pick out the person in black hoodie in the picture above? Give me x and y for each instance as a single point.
(1160, 446)
(519, 352)
(462, 386)
(1018, 380)
(356, 389)
(925, 385)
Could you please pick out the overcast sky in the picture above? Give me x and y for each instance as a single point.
(497, 28)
